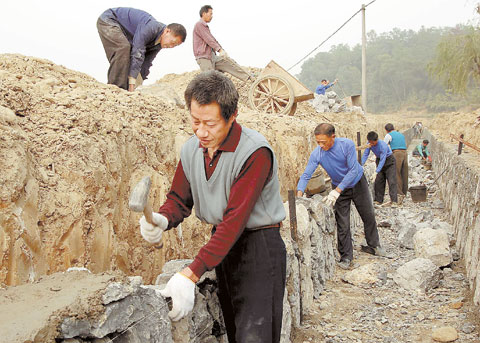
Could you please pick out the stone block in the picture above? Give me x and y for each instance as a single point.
(433, 245)
(419, 275)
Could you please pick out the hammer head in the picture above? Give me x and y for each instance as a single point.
(139, 196)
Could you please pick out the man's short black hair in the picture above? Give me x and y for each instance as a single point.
(389, 127)
(324, 129)
(205, 9)
(425, 141)
(372, 136)
(323, 80)
(178, 30)
(213, 87)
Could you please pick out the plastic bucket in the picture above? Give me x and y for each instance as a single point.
(418, 193)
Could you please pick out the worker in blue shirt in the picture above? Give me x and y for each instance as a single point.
(398, 144)
(132, 39)
(324, 86)
(338, 157)
(385, 172)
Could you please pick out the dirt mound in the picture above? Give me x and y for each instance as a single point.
(73, 148)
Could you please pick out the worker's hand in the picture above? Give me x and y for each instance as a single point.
(299, 194)
(182, 291)
(335, 81)
(153, 233)
(429, 158)
(222, 53)
(331, 198)
(131, 87)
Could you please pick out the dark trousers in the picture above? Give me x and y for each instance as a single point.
(117, 48)
(251, 281)
(401, 163)
(387, 174)
(360, 195)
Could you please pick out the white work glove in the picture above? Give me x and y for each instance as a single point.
(222, 53)
(182, 291)
(331, 198)
(153, 233)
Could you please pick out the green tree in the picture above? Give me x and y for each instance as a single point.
(457, 62)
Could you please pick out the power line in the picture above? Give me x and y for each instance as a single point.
(345, 23)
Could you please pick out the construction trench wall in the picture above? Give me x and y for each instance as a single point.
(128, 306)
(460, 189)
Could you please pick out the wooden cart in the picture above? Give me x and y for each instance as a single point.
(276, 91)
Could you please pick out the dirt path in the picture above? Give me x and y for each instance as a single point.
(381, 311)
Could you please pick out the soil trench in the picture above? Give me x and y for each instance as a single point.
(382, 311)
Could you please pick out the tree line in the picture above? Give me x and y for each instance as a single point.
(432, 69)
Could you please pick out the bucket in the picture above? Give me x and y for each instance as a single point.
(418, 193)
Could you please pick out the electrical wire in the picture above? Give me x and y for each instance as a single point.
(345, 23)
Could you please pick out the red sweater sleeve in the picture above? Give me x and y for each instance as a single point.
(244, 193)
(179, 201)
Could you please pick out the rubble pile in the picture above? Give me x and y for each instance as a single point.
(331, 102)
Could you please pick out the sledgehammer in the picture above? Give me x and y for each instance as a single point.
(138, 201)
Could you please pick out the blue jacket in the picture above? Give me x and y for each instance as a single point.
(381, 150)
(340, 163)
(142, 31)
(322, 88)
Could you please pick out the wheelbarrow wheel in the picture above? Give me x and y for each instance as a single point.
(271, 94)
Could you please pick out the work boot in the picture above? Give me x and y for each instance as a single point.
(377, 204)
(379, 251)
(401, 197)
(345, 264)
(394, 205)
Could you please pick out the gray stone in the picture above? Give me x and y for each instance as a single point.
(434, 245)
(406, 232)
(468, 328)
(144, 308)
(419, 275)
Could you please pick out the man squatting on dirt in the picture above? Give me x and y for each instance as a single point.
(229, 173)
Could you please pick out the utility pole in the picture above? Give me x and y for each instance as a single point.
(364, 62)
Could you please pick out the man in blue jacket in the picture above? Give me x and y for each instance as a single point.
(386, 170)
(339, 159)
(132, 39)
(324, 86)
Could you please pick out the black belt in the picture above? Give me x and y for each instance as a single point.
(399, 150)
(273, 226)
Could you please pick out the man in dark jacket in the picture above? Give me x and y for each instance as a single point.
(131, 39)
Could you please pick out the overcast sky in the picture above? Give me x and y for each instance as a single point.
(252, 32)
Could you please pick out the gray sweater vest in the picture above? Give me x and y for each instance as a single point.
(211, 197)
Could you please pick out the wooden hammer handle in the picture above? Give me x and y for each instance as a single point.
(147, 212)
